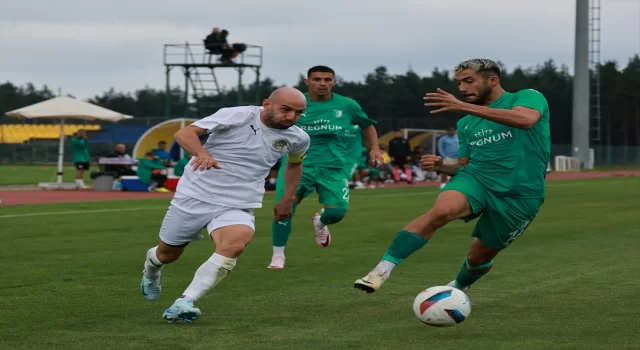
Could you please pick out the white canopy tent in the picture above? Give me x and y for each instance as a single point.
(63, 108)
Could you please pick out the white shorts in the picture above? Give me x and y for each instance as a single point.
(450, 161)
(187, 216)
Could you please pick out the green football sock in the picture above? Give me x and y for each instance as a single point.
(405, 244)
(468, 274)
(332, 215)
(281, 230)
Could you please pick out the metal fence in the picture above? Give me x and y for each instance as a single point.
(38, 152)
(47, 152)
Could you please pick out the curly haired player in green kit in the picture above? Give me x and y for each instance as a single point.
(327, 117)
(500, 176)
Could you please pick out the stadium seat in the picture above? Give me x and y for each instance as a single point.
(19, 133)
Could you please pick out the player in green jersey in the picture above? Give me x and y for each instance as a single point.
(327, 116)
(502, 159)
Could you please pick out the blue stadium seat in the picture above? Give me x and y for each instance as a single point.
(120, 133)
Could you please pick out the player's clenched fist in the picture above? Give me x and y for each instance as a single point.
(430, 162)
(204, 162)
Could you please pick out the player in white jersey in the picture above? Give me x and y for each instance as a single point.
(222, 188)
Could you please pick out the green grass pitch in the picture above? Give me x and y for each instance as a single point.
(70, 275)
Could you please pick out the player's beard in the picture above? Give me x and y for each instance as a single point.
(271, 118)
(482, 97)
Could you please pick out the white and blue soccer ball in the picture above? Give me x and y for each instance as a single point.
(442, 306)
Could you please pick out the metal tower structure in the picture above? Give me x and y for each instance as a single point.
(594, 65)
(200, 80)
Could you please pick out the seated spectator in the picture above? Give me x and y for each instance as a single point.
(230, 51)
(178, 170)
(150, 172)
(162, 153)
(213, 42)
(119, 169)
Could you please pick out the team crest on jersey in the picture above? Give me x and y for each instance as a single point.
(279, 144)
(337, 113)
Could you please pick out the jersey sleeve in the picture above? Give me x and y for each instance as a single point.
(224, 118)
(463, 143)
(299, 151)
(359, 117)
(531, 99)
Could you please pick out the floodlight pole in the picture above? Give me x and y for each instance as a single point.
(60, 151)
(580, 121)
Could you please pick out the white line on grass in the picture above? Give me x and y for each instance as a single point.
(79, 212)
(420, 193)
(165, 207)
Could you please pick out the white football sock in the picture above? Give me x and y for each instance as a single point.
(386, 267)
(152, 266)
(208, 276)
(278, 251)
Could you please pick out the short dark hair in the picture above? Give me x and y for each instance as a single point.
(149, 154)
(320, 69)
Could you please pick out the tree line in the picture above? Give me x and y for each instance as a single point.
(395, 101)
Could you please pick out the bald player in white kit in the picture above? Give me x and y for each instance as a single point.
(222, 188)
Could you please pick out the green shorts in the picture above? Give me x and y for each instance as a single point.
(502, 219)
(331, 184)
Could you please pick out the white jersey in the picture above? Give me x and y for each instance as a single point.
(246, 150)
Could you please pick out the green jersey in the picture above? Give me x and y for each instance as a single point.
(509, 162)
(325, 122)
(79, 150)
(353, 142)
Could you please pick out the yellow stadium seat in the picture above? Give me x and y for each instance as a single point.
(18, 133)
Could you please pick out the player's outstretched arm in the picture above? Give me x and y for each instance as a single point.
(189, 139)
(519, 117)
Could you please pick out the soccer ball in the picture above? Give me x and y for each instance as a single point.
(442, 306)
